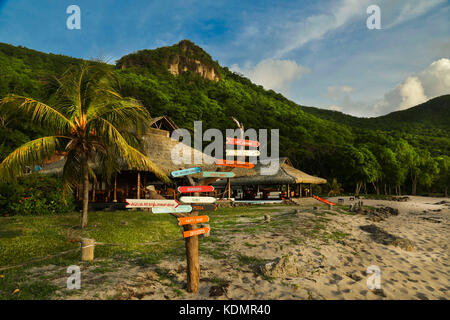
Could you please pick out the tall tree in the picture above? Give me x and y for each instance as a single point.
(89, 122)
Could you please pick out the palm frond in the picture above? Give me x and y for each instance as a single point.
(134, 158)
(39, 112)
(29, 154)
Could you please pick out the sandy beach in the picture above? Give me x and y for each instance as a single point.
(306, 252)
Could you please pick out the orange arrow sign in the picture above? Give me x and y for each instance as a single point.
(231, 163)
(196, 232)
(191, 220)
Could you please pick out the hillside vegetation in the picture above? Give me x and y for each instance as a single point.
(405, 149)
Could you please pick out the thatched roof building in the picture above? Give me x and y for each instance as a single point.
(286, 174)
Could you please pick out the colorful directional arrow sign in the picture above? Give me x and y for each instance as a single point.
(244, 153)
(195, 189)
(192, 220)
(180, 209)
(198, 199)
(204, 207)
(196, 232)
(238, 164)
(218, 174)
(185, 172)
(146, 203)
(242, 142)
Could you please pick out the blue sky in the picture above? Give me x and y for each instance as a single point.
(317, 53)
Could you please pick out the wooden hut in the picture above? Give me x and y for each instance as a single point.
(287, 182)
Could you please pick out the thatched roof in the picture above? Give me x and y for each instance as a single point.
(286, 174)
(158, 146)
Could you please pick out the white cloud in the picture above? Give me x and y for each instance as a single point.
(433, 81)
(413, 9)
(336, 92)
(294, 34)
(273, 74)
(334, 108)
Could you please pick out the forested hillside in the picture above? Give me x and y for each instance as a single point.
(405, 148)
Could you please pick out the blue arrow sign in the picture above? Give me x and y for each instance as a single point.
(185, 172)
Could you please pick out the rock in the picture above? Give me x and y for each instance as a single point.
(404, 244)
(282, 268)
(267, 218)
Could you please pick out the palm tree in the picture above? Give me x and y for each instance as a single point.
(87, 120)
(335, 187)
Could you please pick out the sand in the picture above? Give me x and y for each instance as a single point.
(315, 254)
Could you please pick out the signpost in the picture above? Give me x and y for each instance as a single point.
(197, 199)
(195, 189)
(185, 172)
(151, 203)
(242, 142)
(191, 220)
(195, 232)
(218, 174)
(237, 164)
(204, 207)
(180, 209)
(242, 153)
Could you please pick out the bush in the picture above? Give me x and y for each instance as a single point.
(34, 194)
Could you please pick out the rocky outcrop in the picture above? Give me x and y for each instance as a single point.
(181, 64)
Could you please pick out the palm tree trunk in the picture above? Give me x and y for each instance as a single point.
(85, 171)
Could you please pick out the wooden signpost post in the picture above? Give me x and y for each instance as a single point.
(191, 189)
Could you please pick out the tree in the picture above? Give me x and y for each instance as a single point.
(89, 122)
(444, 174)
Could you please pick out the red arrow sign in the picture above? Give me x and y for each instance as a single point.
(195, 189)
(231, 163)
(195, 232)
(242, 142)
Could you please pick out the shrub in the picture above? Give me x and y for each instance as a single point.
(34, 194)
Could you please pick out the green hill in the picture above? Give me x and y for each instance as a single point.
(185, 83)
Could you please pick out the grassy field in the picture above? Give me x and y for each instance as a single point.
(138, 238)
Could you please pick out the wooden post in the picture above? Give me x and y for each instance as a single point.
(115, 188)
(93, 191)
(229, 188)
(288, 189)
(139, 185)
(87, 249)
(301, 191)
(193, 264)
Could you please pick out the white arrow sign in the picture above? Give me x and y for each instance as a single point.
(198, 199)
(244, 153)
(150, 203)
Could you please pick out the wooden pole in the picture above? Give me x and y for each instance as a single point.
(115, 188)
(87, 249)
(139, 185)
(288, 191)
(193, 264)
(229, 188)
(301, 191)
